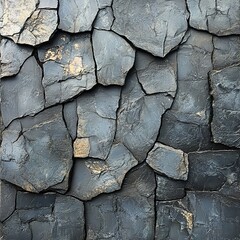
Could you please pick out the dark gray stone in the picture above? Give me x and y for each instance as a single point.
(37, 151)
(114, 57)
(93, 177)
(127, 214)
(68, 67)
(41, 230)
(139, 117)
(157, 75)
(225, 85)
(218, 17)
(96, 122)
(200, 215)
(77, 16)
(7, 200)
(168, 161)
(12, 57)
(168, 189)
(15, 102)
(226, 51)
(163, 23)
(104, 19)
(38, 214)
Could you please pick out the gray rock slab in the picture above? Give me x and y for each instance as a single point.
(12, 57)
(226, 105)
(163, 23)
(114, 57)
(104, 3)
(37, 151)
(77, 16)
(168, 161)
(96, 112)
(104, 19)
(92, 177)
(127, 214)
(139, 117)
(214, 170)
(48, 4)
(7, 199)
(157, 75)
(193, 217)
(218, 17)
(169, 189)
(15, 103)
(226, 51)
(68, 67)
(25, 23)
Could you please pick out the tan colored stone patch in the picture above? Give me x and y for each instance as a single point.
(54, 54)
(81, 147)
(75, 67)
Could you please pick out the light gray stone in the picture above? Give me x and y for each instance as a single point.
(12, 57)
(162, 23)
(114, 57)
(226, 105)
(168, 161)
(48, 4)
(77, 16)
(96, 112)
(68, 67)
(218, 17)
(22, 95)
(92, 177)
(104, 3)
(104, 19)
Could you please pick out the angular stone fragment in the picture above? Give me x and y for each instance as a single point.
(25, 23)
(187, 122)
(226, 51)
(48, 4)
(104, 3)
(81, 148)
(200, 215)
(127, 214)
(163, 23)
(114, 57)
(214, 170)
(97, 120)
(218, 17)
(12, 57)
(104, 19)
(93, 177)
(226, 105)
(37, 151)
(169, 161)
(155, 74)
(68, 67)
(168, 189)
(139, 117)
(77, 16)
(7, 200)
(22, 95)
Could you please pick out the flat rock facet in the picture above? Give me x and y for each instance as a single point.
(104, 19)
(114, 57)
(226, 105)
(37, 151)
(163, 23)
(68, 67)
(92, 177)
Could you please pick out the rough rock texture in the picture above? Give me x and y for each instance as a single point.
(139, 117)
(77, 16)
(68, 67)
(163, 23)
(12, 57)
(96, 112)
(92, 177)
(169, 161)
(127, 214)
(34, 143)
(104, 19)
(225, 125)
(15, 102)
(219, 17)
(110, 50)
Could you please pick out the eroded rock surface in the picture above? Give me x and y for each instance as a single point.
(104, 19)
(37, 151)
(162, 23)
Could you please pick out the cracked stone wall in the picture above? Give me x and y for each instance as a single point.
(120, 120)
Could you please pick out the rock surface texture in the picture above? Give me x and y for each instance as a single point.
(119, 120)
